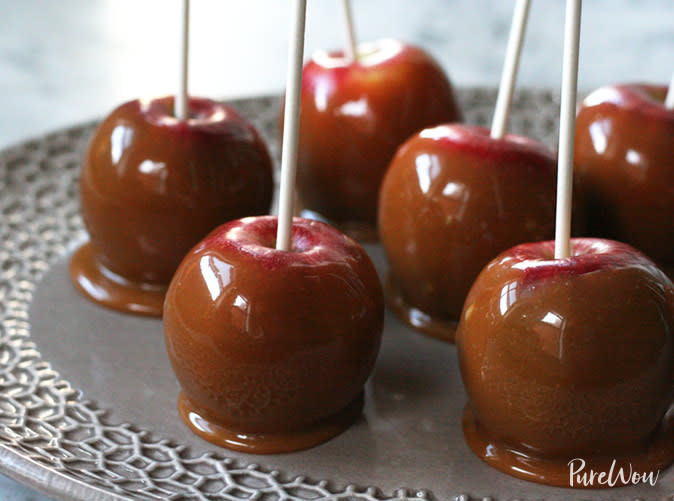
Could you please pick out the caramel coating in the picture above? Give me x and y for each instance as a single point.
(570, 358)
(624, 154)
(452, 200)
(353, 118)
(152, 186)
(271, 346)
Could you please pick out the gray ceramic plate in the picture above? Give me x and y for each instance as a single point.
(87, 397)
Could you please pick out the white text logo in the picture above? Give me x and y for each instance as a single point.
(579, 477)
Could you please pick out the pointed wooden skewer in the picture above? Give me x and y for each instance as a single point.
(291, 121)
(567, 127)
(351, 51)
(510, 67)
(182, 99)
(669, 100)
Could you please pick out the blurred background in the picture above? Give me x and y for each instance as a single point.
(68, 61)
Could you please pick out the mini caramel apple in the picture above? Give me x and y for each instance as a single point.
(452, 200)
(624, 155)
(355, 113)
(569, 358)
(152, 186)
(272, 348)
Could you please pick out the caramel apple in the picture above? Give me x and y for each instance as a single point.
(272, 348)
(354, 116)
(569, 358)
(453, 199)
(152, 186)
(625, 163)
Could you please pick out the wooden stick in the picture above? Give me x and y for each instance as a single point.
(351, 51)
(567, 127)
(182, 99)
(669, 100)
(510, 67)
(291, 122)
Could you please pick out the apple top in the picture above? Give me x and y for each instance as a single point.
(588, 255)
(312, 243)
(474, 140)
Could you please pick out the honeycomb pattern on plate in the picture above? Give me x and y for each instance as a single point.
(45, 420)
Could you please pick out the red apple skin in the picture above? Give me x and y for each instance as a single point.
(569, 358)
(452, 200)
(268, 341)
(153, 186)
(353, 118)
(624, 155)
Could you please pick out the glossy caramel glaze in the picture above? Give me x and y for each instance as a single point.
(353, 118)
(433, 326)
(153, 186)
(271, 345)
(452, 200)
(624, 154)
(107, 288)
(276, 442)
(570, 358)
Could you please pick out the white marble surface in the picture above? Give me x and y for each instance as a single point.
(70, 60)
(66, 61)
